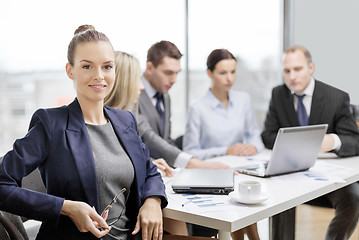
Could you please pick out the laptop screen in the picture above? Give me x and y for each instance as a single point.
(295, 149)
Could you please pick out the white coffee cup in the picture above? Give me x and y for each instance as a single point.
(249, 189)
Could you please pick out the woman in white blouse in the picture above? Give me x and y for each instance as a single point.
(222, 122)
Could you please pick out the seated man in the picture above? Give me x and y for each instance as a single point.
(302, 100)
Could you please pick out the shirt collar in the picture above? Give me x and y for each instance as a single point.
(310, 89)
(214, 102)
(148, 88)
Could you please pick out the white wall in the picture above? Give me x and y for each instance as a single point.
(330, 31)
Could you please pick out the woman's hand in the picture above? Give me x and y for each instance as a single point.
(150, 219)
(242, 149)
(85, 218)
(163, 166)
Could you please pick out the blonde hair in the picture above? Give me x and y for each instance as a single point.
(124, 93)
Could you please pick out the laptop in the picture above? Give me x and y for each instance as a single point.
(295, 149)
(205, 181)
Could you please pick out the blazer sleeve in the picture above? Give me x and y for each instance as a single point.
(271, 124)
(158, 147)
(346, 129)
(154, 185)
(152, 181)
(27, 154)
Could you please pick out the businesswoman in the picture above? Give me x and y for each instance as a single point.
(222, 122)
(87, 154)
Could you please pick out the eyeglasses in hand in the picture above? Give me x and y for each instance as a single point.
(114, 200)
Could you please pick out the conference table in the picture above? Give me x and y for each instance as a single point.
(285, 191)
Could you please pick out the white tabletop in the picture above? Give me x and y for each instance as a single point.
(284, 194)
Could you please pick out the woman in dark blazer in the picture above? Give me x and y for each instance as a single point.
(59, 144)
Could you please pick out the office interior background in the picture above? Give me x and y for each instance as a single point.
(35, 35)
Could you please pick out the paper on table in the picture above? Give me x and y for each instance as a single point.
(236, 161)
(308, 176)
(324, 166)
(321, 171)
(204, 203)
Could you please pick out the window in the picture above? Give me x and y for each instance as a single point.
(251, 31)
(33, 53)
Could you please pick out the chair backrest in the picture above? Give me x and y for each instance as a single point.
(11, 227)
(178, 142)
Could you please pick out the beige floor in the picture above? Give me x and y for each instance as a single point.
(312, 222)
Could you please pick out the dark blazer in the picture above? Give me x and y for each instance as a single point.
(329, 105)
(58, 144)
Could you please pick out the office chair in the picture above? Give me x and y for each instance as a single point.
(178, 142)
(11, 227)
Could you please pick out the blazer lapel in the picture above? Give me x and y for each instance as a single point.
(80, 146)
(317, 104)
(127, 136)
(288, 103)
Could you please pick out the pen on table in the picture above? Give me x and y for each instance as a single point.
(196, 197)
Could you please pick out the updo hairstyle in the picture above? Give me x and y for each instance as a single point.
(84, 34)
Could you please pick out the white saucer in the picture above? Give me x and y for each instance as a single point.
(264, 196)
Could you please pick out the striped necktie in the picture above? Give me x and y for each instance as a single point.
(301, 112)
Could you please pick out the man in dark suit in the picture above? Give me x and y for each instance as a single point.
(162, 67)
(302, 100)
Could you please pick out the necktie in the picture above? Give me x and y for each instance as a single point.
(301, 112)
(159, 97)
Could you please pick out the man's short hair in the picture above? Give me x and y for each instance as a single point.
(160, 50)
(307, 54)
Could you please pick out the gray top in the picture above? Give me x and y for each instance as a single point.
(114, 171)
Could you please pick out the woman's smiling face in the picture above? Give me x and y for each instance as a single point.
(93, 70)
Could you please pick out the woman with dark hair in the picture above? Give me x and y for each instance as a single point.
(100, 180)
(223, 121)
